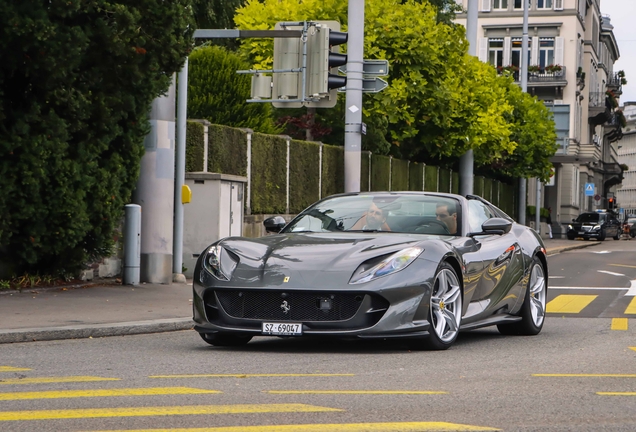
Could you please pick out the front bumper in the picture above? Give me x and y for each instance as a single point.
(586, 234)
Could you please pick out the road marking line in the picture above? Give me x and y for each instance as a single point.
(619, 324)
(610, 273)
(556, 277)
(13, 369)
(159, 411)
(632, 348)
(586, 375)
(623, 265)
(349, 392)
(632, 289)
(49, 380)
(66, 394)
(588, 288)
(250, 375)
(616, 393)
(631, 308)
(601, 252)
(343, 427)
(566, 303)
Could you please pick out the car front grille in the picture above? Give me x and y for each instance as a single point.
(289, 305)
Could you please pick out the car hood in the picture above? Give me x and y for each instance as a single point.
(311, 259)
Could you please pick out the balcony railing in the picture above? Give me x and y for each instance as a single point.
(541, 77)
(614, 82)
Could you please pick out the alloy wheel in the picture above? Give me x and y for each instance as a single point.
(446, 305)
(537, 295)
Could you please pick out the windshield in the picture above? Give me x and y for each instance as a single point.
(421, 214)
(588, 218)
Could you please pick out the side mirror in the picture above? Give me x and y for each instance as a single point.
(496, 226)
(274, 224)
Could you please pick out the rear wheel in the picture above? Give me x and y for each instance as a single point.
(533, 308)
(570, 236)
(445, 310)
(225, 339)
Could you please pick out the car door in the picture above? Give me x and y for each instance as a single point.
(501, 281)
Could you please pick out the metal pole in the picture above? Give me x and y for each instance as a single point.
(353, 112)
(132, 244)
(467, 160)
(179, 178)
(537, 216)
(524, 88)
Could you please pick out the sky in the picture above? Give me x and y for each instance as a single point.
(623, 18)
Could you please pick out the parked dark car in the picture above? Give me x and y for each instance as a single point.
(598, 225)
(405, 265)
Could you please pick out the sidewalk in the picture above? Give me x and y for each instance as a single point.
(113, 309)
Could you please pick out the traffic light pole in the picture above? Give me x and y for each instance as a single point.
(353, 104)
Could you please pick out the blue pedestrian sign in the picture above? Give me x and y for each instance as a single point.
(589, 189)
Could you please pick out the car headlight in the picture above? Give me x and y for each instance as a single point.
(596, 227)
(219, 263)
(391, 264)
(569, 226)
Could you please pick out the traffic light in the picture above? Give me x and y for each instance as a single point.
(323, 61)
(287, 56)
(610, 203)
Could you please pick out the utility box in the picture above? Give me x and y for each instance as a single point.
(215, 212)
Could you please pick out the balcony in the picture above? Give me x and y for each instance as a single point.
(615, 83)
(538, 78)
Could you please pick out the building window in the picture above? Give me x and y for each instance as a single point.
(546, 52)
(500, 4)
(495, 52)
(516, 51)
(544, 4)
(518, 4)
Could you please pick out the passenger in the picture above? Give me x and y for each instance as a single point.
(447, 213)
(375, 218)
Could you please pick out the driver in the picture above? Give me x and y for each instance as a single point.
(447, 214)
(375, 218)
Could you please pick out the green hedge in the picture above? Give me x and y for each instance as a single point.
(332, 170)
(495, 192)
(227, 150)
(380, 173)
(364, 171)
(455, 183)
(304, 175)
(399, 175)
(416, 176)
(430, 178)
(487, 189)
(478, 186)
(444, 180)
(194, 147)
(507, 199)
(269, 174)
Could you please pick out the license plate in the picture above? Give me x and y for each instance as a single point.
(283, 329)
(581, 232)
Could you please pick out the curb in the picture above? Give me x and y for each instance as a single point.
(569, 248)
(96, 330)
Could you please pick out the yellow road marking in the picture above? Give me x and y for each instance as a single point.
(49, 380)
(568, 303)
(66, 394)
(158, 411)
(348, 392)
(632, 348)
(616, 393)
(13, 369)
(249, 375)
(623, 265)
(347, 427)
(587, 375)
(619, 324)
(631, 309)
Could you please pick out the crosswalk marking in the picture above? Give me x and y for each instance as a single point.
(619, 324)
(616, 393)
(586, 375)
(49, 380)
(160, 411)
(631, 309)
(13, 369)
(566, 303)
(251, 375)
(67, 394)
(360, 392)
(344, 427)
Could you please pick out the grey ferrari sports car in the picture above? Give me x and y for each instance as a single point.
(412, 265)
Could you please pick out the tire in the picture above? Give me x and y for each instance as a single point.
(602, 235)
(445, 310)
(533, 308)
(225, 339)
(617, 236)
(571, 237)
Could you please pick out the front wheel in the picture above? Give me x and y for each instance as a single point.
(601, 236)
(445, 310)
(533, 308)
(225, 339)
(571, 237)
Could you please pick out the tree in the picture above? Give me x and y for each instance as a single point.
(218, 94)
(76, 83)
(216, 14)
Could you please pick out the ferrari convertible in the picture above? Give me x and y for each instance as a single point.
(411, 265)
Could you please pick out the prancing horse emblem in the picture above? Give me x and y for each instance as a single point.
(285, 307)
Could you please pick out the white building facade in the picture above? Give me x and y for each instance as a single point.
(571, 53)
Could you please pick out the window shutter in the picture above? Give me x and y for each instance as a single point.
(485, 5)
(534, 52)
(506, 51)
(558, 4)
(483, 49)
(559, 44)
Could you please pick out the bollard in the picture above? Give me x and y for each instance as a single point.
(132, 244)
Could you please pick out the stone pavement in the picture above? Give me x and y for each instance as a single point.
(106, 308)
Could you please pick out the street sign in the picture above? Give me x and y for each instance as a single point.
(597, 197)
(373, 85)
(589, 189)
(371, 68)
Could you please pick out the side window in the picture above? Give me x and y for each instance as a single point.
(478, 213)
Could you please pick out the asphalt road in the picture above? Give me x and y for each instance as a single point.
(577, 375)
